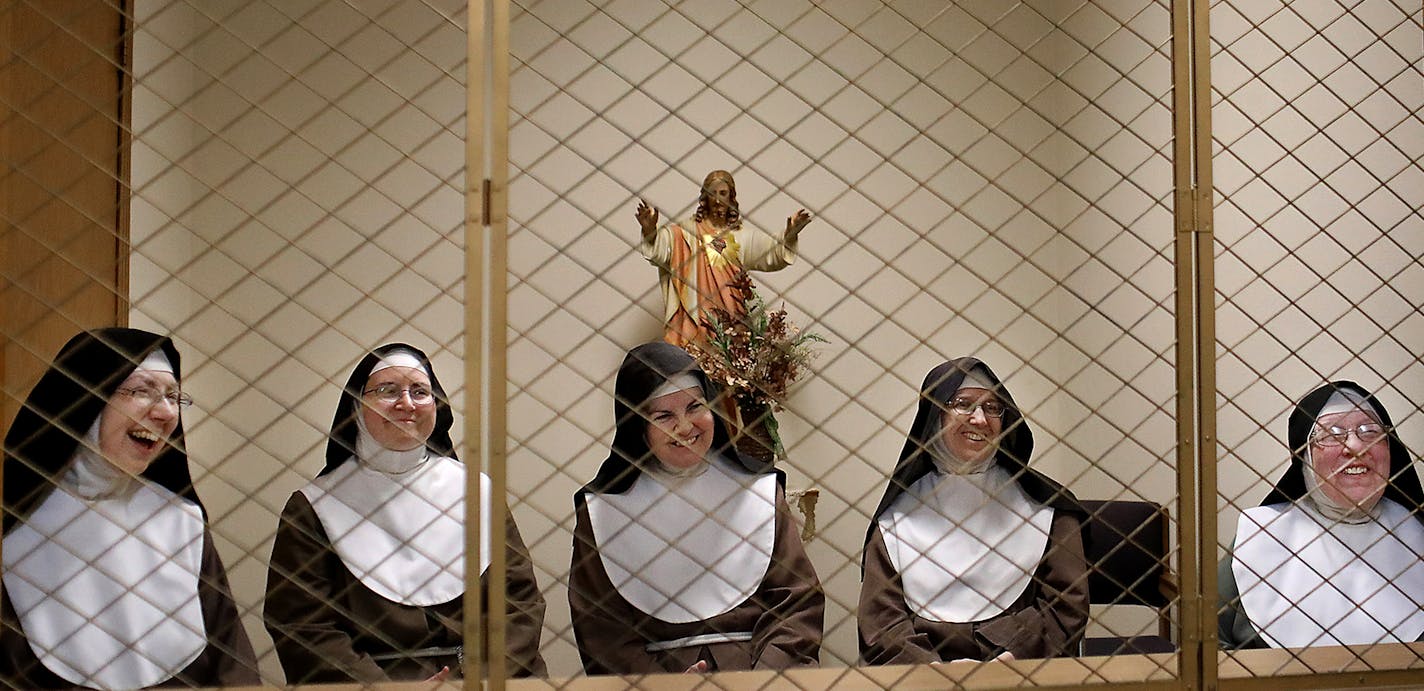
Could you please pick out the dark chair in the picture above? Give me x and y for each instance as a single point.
(1126, 545)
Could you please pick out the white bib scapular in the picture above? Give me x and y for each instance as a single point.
(687, 549)
(402, 536)
(1307, 581)
(107, 591)
(965, 546)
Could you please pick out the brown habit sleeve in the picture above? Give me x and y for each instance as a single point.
(233, 661)
(298, 611)
(788, 633)
(887, 631)
(524, 607)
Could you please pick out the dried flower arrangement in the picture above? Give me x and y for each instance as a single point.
(756, 356)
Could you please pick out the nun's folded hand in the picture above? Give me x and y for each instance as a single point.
(699, 667)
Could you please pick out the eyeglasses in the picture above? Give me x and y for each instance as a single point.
(148, 396)
(966, 407)
(1368, 433)
(390, 393)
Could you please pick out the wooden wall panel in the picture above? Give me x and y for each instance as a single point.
(63, 263)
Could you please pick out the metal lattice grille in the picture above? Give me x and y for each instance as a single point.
(1316, 117)
(991, 179)
(987, 179)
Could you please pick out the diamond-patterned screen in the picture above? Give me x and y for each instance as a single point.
(905, 184)
(1316, 125)
(986, 179)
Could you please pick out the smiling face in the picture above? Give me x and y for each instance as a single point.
(133, 430)
(1355, 472)
(401, 424)
(680, 427)
(972, 437)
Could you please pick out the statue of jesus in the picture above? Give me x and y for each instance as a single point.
(698, 259)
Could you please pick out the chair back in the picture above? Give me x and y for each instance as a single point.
(1126, 544)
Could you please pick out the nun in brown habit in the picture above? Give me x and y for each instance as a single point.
(111, 578)
(1335, 553)
(971, 554)
(367, 577)
(686, 557)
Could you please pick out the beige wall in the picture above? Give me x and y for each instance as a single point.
(994, 180)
